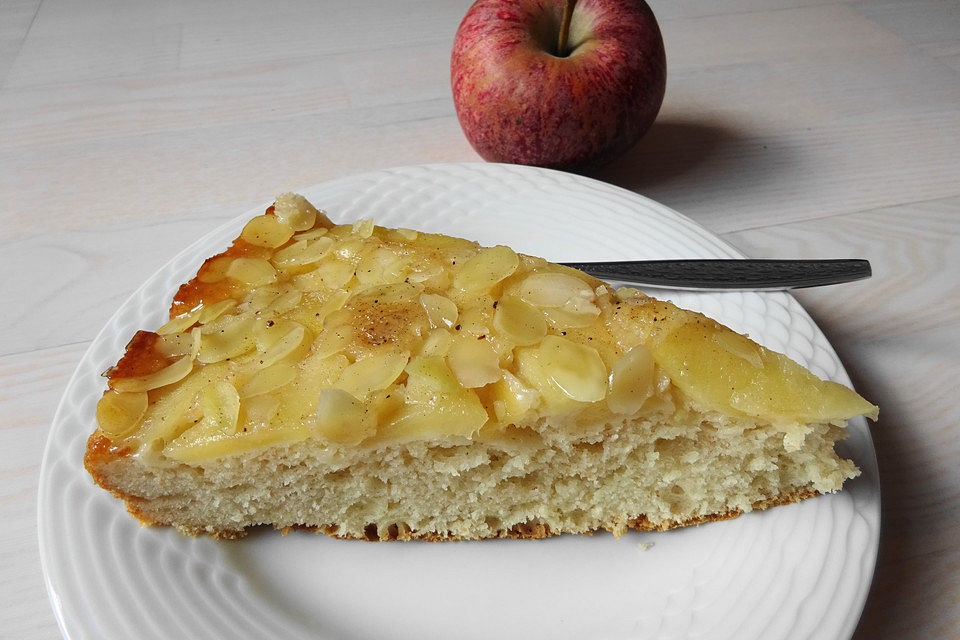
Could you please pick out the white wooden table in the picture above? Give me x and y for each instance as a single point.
(794, 128)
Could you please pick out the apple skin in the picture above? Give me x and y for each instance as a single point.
(519, 103)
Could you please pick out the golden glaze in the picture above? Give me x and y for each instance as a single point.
(410, 326)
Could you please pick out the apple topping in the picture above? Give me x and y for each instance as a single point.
(363, 228)
(740, 346)
(220, 404)
(512, 400)
(631, 380)
(269, 379)
(295, 212)
(474, 362)
(358, 335)
(456, 414)
(266, 231)
(434, 372)
(258, 412)
(577, 369)
(719, 375)
(341, 418)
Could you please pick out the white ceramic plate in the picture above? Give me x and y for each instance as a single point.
(800, 571)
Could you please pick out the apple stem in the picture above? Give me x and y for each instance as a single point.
(565, 28)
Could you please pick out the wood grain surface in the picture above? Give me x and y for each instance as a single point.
(794, 128)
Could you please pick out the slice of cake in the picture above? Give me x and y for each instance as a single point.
(388, 384)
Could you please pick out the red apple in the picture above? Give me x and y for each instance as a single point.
(522, 100)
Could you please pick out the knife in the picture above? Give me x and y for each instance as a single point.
(729, 275)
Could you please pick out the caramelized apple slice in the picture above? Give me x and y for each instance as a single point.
(631, 380)
(576, 369)
(343, 419)
(457, 414)
(713, 366)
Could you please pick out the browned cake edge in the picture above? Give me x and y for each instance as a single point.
(99, 453)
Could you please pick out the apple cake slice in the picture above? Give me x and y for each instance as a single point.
(388, 384)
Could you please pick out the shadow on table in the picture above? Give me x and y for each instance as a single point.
(902, 593)
(682, 158)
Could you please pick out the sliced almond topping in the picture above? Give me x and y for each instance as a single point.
(486, 269)
(330, 342)
(286, 345)
(252, 271)
(330, 274)
(312, 234)
(303, 252)
(519, 322)
(285, 302)
(215, 270)
(227, 340)
(119, 413)
(268, 379)
(441, 310)
(554, 290)
(295, 211)
(217, 309)
(181, 323)
(363, 228)
(168, 375)
(266, 231)
(382, 266)
(376, 371)
(220, 404)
